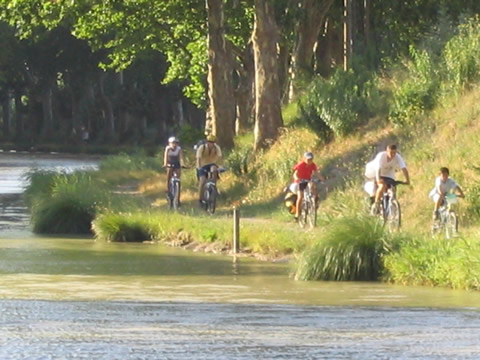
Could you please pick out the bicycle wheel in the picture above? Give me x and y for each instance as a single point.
(436, 227)
(170, 194)
(312, 213)
(175, 195)
(302, 219)
(451, 226)
(393, 217)
(212, 199)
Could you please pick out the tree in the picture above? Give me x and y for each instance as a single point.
(220, 80)
(268, 115)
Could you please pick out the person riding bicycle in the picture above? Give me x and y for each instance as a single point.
(443, 185)
(303, 172)
(173, 159)
(381, 170)
(208, 156)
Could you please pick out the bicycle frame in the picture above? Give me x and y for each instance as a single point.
(447, 220)
(174, 191)
(390, 207)
(308, 210)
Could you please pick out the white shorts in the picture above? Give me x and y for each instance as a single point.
(294, 187)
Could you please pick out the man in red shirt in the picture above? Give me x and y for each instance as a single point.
(303, 172)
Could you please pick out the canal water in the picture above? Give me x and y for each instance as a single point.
(74, 298)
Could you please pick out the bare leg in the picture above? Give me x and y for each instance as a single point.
(299, 203)
(201, 183)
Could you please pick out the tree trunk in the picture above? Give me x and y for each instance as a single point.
(308, 28)
(47, 110)
(109, 124)
(268, 115)
(220, 76)
(6, 117)
(347, 33)
(244, 93)
(19, 127)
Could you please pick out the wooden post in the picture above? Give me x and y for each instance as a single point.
(236, 230)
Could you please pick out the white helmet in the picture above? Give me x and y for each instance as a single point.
(172, 139)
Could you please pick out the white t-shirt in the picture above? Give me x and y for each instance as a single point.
(445, 187)
(387, 168)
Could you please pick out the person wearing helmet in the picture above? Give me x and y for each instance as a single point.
(208, 155)
(302, 173)
(173, 159)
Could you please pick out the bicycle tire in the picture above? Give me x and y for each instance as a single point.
(302, 218)
(451, 225)
(312, 213)
(176, 195)
(393, 217)
(212, 199)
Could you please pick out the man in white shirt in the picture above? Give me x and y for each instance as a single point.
(382, 170)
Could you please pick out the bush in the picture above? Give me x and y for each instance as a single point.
(136, 162)
(351, 248)
(436, 262)
(64, 203)
(340, 104)
(418, 93)
(461, 55)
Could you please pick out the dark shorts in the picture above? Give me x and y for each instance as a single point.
(388, 181)
(204, 170)
(175, 165)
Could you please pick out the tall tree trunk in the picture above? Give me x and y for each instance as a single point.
(268, 115)
(347, 33)
(109, 124)
(220, 76)
(244, 93)
(6, 117)
(308, 28)
(19, 127)
(47, 110)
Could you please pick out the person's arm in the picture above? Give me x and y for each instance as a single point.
(198, 155)
(406, 175)
(182, 160)
(460, 191)
(295, 175)
(320, 176)
(438, 182)
(165, 155)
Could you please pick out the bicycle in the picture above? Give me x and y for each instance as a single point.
(308, 208)
(173, 195)
(210, 192)
(447, 218)
(390, 211)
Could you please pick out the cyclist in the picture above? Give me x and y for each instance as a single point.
(443, 185)
(173, 159)
(303, 172)
(208, 156)
(382, 170)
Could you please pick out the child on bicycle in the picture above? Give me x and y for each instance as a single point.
(443, 185)
(303, 172)
(173, 159)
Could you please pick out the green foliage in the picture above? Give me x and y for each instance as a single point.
(436, 262)
(126, 227)
(239, 158)
(351, 248)
(418, 93)
(134, 162)
(461, 55)
(340, 104)
(65, 203)
(189, 135)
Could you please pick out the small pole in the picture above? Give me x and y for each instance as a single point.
(236, 230)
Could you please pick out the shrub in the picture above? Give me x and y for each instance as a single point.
(351, 248)
(461, 55)
(418, 93)
(436, 262)
(338, 105)
(134, 162)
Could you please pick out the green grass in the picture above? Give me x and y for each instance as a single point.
(350, 248)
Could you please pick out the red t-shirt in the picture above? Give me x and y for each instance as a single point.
(304, 170)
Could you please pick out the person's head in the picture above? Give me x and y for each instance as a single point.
(211, 139)
(173, 141)
(444, 173)
(391, 150)
(308, 157)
